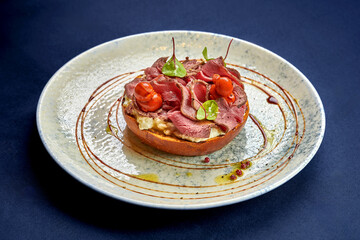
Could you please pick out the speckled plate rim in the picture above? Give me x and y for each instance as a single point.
(187, 206)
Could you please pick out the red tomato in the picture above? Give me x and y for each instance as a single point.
(224, 86)
(215, 77)
(143, 91)
(213, 94)
(153, 104)
(147, 98)
(231, 98)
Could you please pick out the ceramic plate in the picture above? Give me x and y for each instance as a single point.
(81, 127)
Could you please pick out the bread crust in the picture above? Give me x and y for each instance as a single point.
(174, 145)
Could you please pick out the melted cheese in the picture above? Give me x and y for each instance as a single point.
(215, 132)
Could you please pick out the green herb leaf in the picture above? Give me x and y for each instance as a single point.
(204, 53)
(173, 67)
(173, 70)
(209, 110)
(200, 114)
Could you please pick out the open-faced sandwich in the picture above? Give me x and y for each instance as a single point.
(190, 107)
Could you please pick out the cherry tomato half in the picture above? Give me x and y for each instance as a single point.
(143, 91)
(147, 98)
(224, 86)
(215, 77)
(153, 104)
(230, 98)
(213, 94)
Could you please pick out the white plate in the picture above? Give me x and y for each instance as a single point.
(124, 168)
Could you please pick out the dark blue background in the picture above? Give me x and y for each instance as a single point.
(38, 200)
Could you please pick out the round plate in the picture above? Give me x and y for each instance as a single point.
(81, 126)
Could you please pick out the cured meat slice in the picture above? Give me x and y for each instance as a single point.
(170, 91)
(229, 116)
(199, 91)
(186, 108)
(188, 127)
(130, 87)
(240, 96)
(216, 66)
(155, 70)
(192, 66)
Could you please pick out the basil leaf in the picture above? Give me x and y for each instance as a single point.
(174, 70)
(211, 110)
